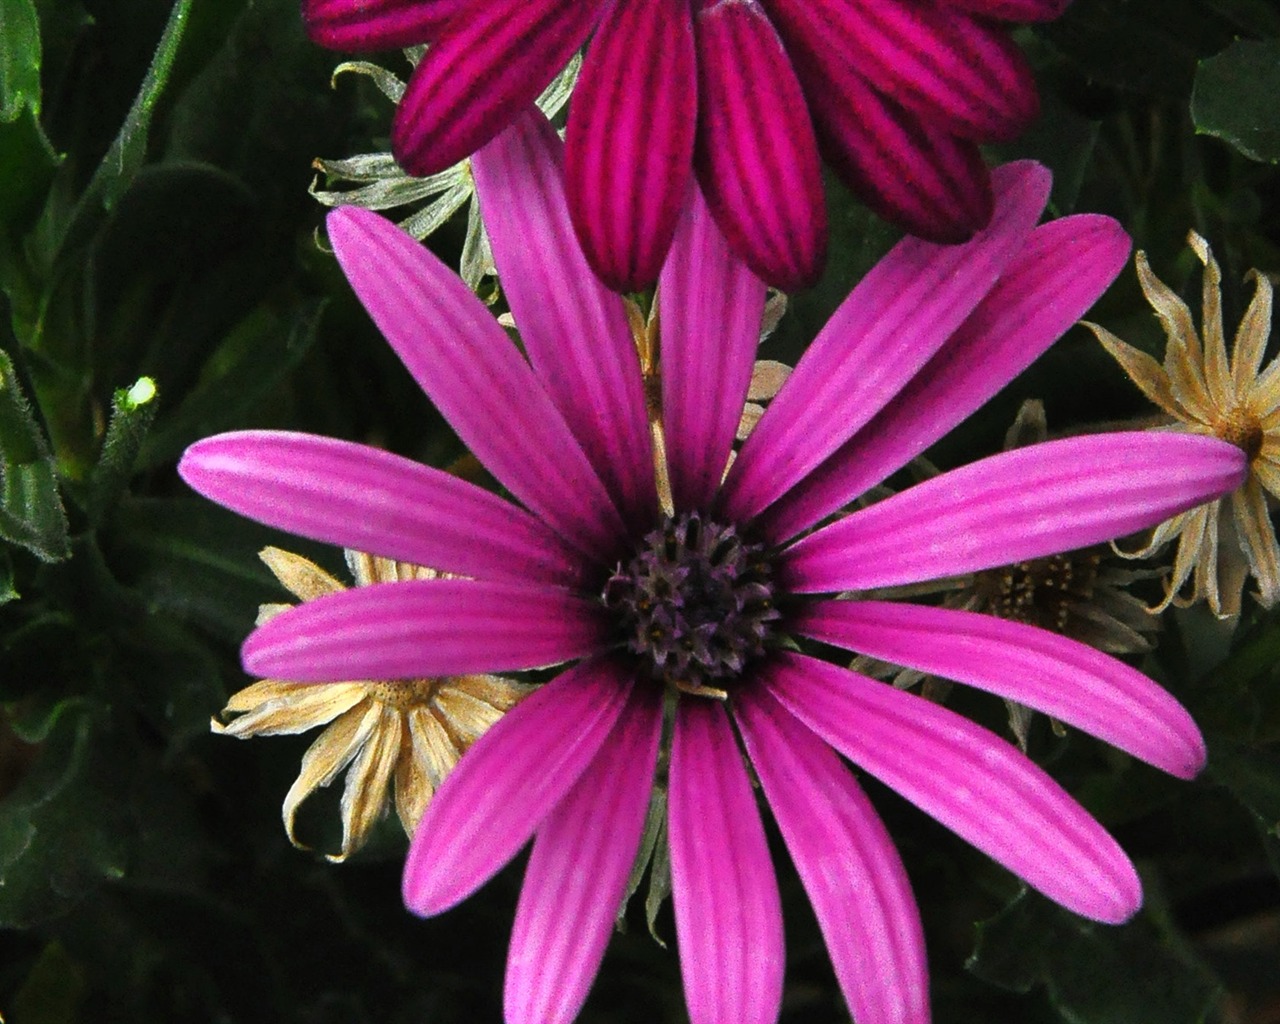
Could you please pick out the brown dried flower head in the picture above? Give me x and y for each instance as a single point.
(1203, 391)
(405, 734)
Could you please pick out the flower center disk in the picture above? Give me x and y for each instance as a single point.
(695, 603)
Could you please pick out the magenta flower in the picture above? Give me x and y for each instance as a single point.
(585, 567)
(897, 94)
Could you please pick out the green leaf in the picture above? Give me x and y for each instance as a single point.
(129, 150)
(60, 831)
(31, 513)
(1234, 98)
(19, 58)
(1094, 973)
(27, 163)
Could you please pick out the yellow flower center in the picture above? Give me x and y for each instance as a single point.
(1242, 429)
(404, 694)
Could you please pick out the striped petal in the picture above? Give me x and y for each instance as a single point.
(1027, 503)
(377, 24)
(629, 141)
(476, 77)
(578, 872)
(574, 330)
(985, 790)
(1063, 268)
(1072, 682)
(727, 907)
(961, 75)
(757, 157)
(908, 171)
(370, 500)
(847, 862)
(710, 307)
(417, 628)
(891, 323)
(466, 364)
(507, 784)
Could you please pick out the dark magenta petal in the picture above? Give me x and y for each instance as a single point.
(629, 141)
(474, 79)
(757, 156)
(960, 75)
(377, 24)
(930, 183)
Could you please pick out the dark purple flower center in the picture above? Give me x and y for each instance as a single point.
(695, 604)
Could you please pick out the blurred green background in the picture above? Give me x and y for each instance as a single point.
(154, 221)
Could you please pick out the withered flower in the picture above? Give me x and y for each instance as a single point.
(404, 732)
(1222, 542)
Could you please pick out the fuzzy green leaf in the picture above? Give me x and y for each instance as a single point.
(31, 514)
(19, 58)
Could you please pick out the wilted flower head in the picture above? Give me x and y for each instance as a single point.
(898, 95)
(384, 185)
(712, 598)
(1205, 391)
(407, 734)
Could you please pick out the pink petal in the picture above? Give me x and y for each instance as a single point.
(417, 628)
(508, 782)
(578, 872)
(710, 307)
(982, 788)
(963, 76)
(629, 142)
(891, 323)
(376, 24)
(1027, 503)
(468, 367)
(1063, 268)
(488, 67)
(847, 862)
(757, 157)
(574, 330)
(728, 912)
(370, 500)
(1012, 10)
(1074, 683)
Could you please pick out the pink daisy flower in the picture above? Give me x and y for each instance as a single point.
(648, 604)
(897, 94)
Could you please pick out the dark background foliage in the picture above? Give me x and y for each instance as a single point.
(154, 220)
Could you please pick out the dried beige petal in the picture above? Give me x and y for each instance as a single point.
(767, 378)
(365, 794)
(1216, 373)
(302, 578)
(297, 708)
(1142, 369)
(324, 760)
(1258, 539)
